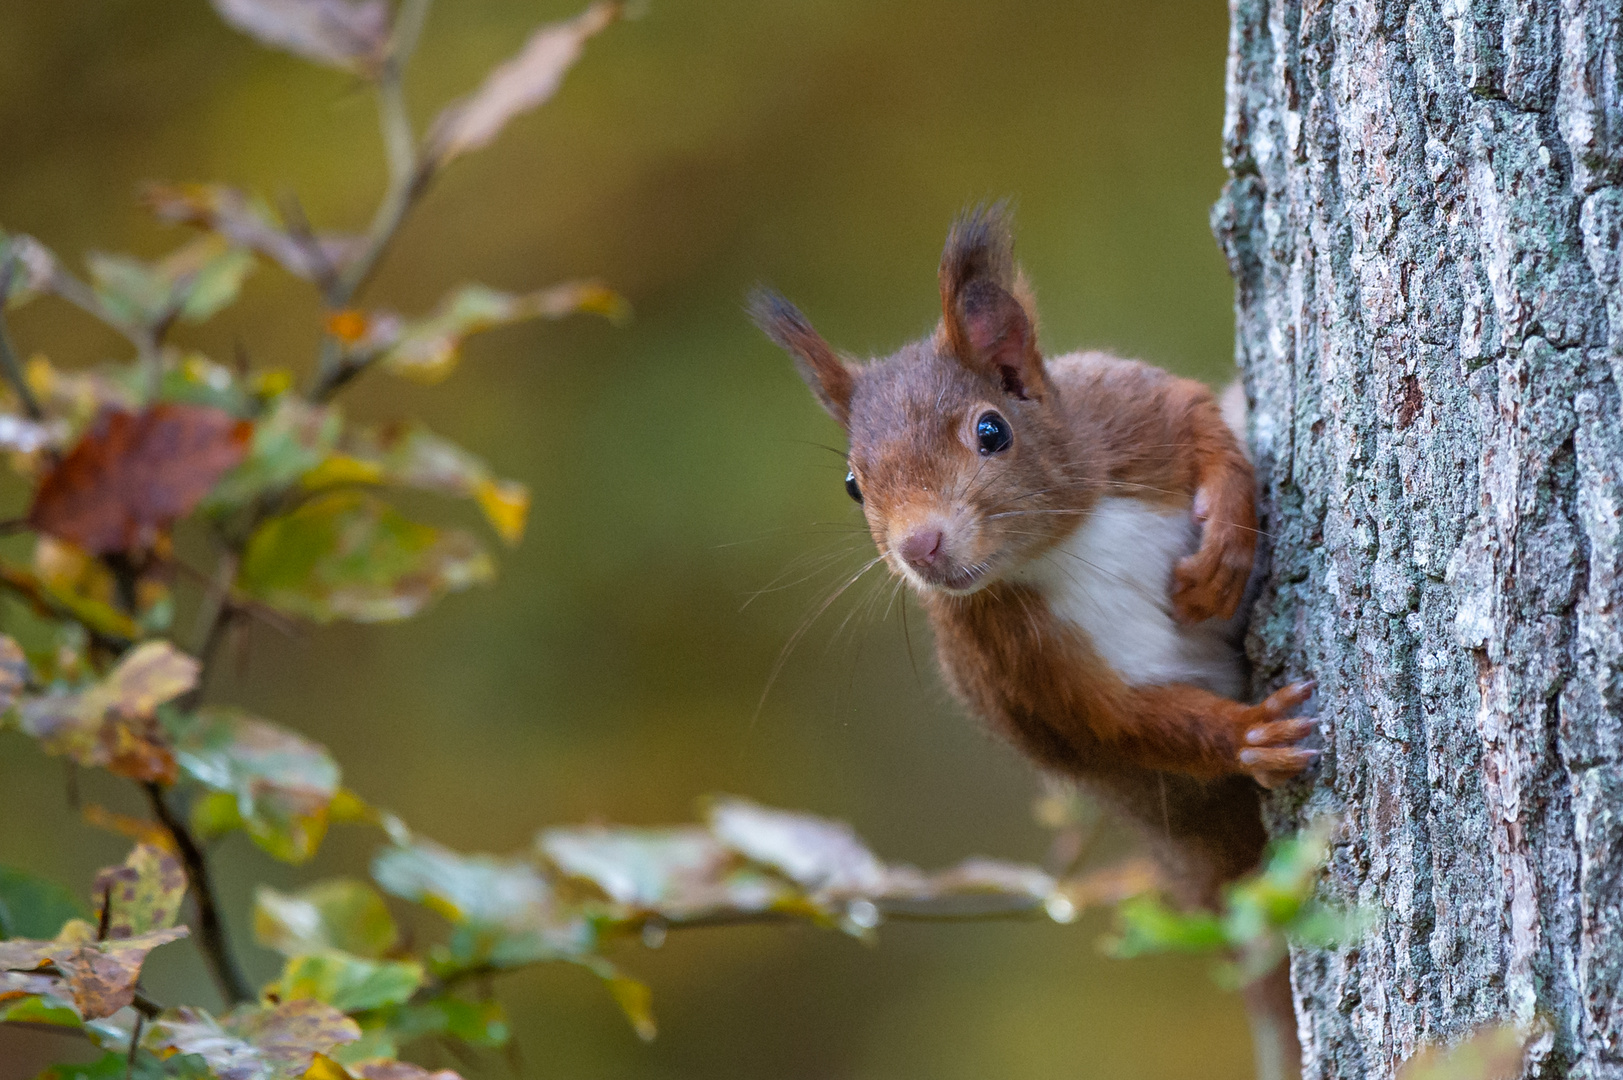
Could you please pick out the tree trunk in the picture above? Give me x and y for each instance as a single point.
(1424, 217)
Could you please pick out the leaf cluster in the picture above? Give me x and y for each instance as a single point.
(293, 499)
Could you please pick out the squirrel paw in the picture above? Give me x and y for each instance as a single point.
(1211, 582)
(1270, 754)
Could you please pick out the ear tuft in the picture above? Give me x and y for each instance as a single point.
(827, 375)
(985, 304)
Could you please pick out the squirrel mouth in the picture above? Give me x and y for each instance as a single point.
(957, 580)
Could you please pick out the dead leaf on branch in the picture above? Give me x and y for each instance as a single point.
(249, 223)
(520, 84)
(133, 475)
(340, 33)
(98, 977)
(110, 724)
(254, 1042)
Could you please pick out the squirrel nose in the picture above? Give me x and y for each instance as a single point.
(923, 547)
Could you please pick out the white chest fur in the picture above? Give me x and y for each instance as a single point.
(1112, 579)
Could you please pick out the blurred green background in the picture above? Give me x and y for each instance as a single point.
(678, 466)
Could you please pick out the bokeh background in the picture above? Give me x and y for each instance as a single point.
(617, 670)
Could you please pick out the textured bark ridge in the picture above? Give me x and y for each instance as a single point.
(1424, 217)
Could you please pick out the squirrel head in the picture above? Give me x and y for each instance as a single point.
(959, 451)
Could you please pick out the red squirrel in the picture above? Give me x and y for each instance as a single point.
(1080, 531)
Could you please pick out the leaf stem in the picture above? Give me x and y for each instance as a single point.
(211, 933)
(9, 365)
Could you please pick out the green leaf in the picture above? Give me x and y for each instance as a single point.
(338, 914)
(505, 911)
(347, 983)
(480, 889)
(196, 380)
(196, 281)
(40, 1010)
(409, 455)
(632, 995)
(291, 440)
(143, 894)
(429, 349)
(281, 783)
(1147, 925)
(479, 1023)
(821, 855)
(110, 1066)
(676, 873)
(349, 555)
(33, 907)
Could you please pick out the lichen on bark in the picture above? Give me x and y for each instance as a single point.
(1424, 219)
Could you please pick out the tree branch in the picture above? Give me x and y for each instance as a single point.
(211, 933)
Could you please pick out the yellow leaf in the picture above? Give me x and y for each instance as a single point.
(323, 1067)
(506, 504)
(343, 469)
(137, 829)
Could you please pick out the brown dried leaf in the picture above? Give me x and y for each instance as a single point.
(341, 33)
(254, 1042)
(97, 976)
(110, 724)
(522, 83)
(133, 475)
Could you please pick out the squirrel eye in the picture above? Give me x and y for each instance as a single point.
(851, 488)
(992, 434)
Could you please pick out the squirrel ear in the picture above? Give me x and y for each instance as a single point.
(984, 316)
(827, 375)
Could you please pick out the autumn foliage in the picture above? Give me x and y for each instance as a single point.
(294, 500)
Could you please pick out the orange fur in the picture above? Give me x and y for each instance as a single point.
(1177, 760)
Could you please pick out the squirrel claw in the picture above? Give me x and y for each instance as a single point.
(1272, 753)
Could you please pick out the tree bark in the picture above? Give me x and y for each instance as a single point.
(1424, 218)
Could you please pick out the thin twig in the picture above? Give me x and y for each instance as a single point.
(10, 366)
(211, 934)
(322, 270)
(135, 1045)
(409, 176)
